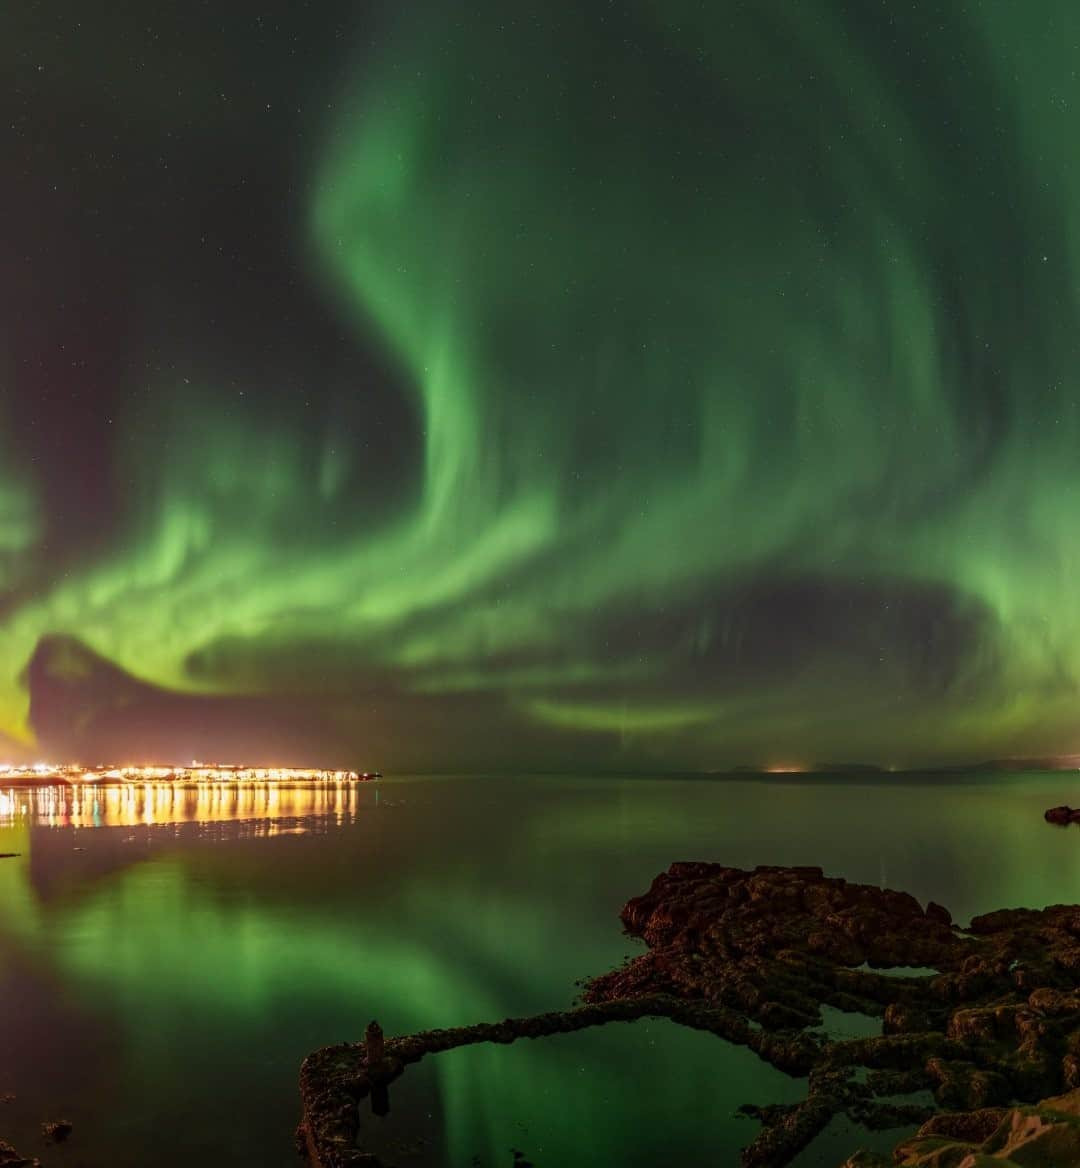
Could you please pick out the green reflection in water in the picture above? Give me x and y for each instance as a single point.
(566, 1100)
(231, 963)
(17, 909)
(198, 971)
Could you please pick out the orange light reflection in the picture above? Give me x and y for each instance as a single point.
(160, 804)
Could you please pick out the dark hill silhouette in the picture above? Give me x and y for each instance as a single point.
(83, 708)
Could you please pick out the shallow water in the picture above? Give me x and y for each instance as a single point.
(168, 956)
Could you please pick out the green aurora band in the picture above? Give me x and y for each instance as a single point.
(742, 346)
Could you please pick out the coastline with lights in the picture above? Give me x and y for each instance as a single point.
(198, 772)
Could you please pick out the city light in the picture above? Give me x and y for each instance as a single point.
(197, 772)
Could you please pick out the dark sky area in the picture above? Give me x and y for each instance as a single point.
(565, 385)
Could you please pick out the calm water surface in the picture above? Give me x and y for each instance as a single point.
(168, 956)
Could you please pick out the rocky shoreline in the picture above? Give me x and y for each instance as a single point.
(998, 1022)
(1017, 1137)
(991, 1035)
(54, 1131)
(9, 1158)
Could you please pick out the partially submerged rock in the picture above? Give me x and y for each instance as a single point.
(753, 956)
(1015, 1137)
(334, 1080)
(1000, 1021)
(56, 1130)
(9, 1158)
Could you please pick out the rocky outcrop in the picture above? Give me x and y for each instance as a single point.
(9, 1158)
(753, 956)
(1016, 1137)
(1062, 815)
(335, 1079)
(999, 1021)
(56, 1130)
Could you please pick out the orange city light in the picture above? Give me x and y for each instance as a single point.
(197, 772)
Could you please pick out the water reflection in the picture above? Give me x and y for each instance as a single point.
(151, 804)
(170, 952)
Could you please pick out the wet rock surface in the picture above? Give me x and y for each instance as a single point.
(1062, 815)
(1015, 1137)
(753, 956)
(9, 1158)
(56, 1130)
(999, 1023)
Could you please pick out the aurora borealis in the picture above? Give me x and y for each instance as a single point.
(563, 385)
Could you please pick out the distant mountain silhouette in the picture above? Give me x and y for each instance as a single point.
(63, 665)
(817, 768)
(86, 709)
(1064, 762)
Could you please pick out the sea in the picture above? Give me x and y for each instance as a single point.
(169, 955)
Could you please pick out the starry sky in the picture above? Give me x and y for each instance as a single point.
(606, 384)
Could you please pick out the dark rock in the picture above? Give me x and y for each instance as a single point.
(905, 1018)
(56, 1130)
(864, 1159)
(9, 1158)
(752, 956)
(939, 913)
(993, 1026)
(969, 1126)
(1047, 1135)
(1062, 815)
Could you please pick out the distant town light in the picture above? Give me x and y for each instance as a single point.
(198, 772)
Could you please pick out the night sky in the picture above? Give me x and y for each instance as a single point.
(644, 383)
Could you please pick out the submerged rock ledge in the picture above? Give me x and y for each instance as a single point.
(752, 956)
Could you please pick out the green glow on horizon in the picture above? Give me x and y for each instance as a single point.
(654, 353)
